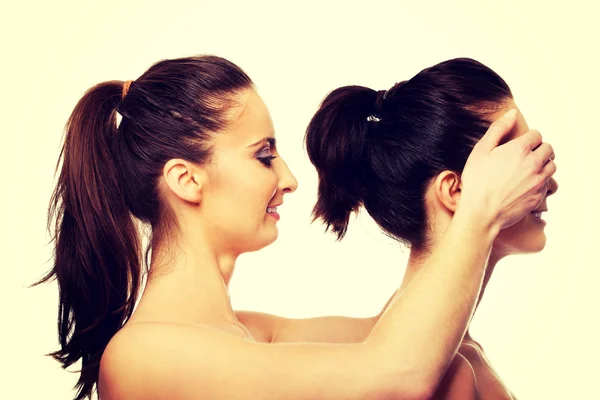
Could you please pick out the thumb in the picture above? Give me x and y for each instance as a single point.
(499, 129)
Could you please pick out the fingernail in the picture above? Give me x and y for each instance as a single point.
(511, 114)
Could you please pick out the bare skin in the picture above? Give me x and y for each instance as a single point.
(184, 341)
(527, 236)
(471, 374)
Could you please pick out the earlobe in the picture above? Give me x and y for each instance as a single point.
(183, 180)
(448, 187)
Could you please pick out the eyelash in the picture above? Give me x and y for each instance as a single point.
(266, 160)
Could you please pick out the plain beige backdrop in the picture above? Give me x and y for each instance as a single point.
(539, 319)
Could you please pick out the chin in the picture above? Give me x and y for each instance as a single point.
(262, 240)
(520, 245)
(271, 239)
(525, 237)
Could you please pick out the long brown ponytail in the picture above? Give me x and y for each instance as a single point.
(97, 254)
(108, 179)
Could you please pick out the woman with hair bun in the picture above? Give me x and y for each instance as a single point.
(401, 155)
(194, 159)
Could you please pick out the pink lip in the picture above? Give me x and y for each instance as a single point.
(274, 215)
(539, 220)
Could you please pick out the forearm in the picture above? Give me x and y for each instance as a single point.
(424, 324)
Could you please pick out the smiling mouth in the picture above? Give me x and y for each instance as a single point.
(538, 214)
(272, 211)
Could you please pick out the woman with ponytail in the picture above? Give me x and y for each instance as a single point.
(401, 154)
(193, 160)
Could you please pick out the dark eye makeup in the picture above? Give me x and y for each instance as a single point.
(264, 155)
(266, 160)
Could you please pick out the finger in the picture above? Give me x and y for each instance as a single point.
(530, 140)
(499, 129)
(548, 170)
(544, 152)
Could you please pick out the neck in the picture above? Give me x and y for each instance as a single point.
(418, 258)
(187, 283)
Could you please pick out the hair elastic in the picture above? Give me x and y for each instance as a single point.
(126, 86)
(376, 117)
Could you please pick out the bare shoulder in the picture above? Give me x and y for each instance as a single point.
(489, 383)
(145, 360)
(459, 382)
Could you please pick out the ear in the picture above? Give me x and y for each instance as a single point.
(447, 188)
(184, 179)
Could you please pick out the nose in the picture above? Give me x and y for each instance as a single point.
(287, 180)
(552, 187)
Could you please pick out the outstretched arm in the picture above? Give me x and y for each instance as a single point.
(404, 356)
(498, 164)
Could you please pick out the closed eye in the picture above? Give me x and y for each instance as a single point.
(266, 160)
(265, 156)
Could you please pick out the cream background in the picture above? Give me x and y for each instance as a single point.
(539, 319)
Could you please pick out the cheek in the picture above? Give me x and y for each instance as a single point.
(255, 187)
(247, 190)
(263, 183)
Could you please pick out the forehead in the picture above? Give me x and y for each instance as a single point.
(249, 121)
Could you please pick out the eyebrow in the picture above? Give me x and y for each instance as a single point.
(270, 140)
